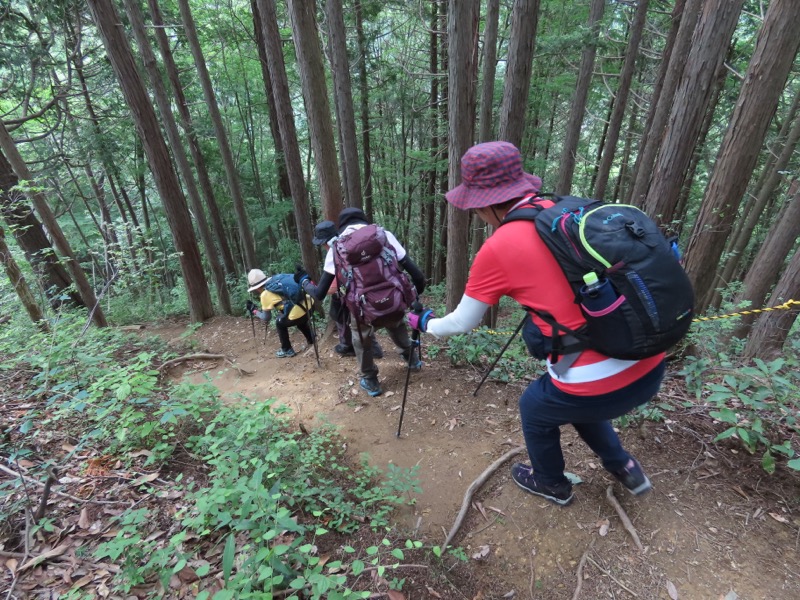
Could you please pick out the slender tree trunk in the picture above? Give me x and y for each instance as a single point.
(462, 32)
(577, 106)
(684, 20)
(315, 93)
(31, 238)
(49, 221)
(340, 67)
(710, 41)
(274, 128)
(621, 99)
(20, 285)
(363, 85)
(144, 116)
(248, 243)
(198, 159)
(173, 135)
(283, 106)
(432, 174)
(524, 19)
(489, 69)
(776, 47)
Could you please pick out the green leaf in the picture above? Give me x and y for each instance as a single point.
(398, 553)
(358, 567)
(768, 462)
(227, 557)
(729, 432)
(203, 570)
(794, 464)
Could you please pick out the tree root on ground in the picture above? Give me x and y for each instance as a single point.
(473, 488)
(579, 572)
(626, 522)
(180, 359)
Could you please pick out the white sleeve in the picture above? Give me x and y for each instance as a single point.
(399, 251)
(329, 266)
(466, 317)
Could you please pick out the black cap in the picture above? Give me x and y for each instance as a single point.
(323, 232)
(351, 215)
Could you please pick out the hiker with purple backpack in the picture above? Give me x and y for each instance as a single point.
(367, 263)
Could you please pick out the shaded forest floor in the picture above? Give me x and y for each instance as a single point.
(715, 526)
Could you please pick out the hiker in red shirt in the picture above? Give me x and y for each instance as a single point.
(584, 389)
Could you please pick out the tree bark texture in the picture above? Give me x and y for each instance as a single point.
(769, 334)
(709, 45)
(524, 19)
(242, 220)
(462, 32)
(766, 76)
(85, 290)
(363, 86)
(283, 107)
(489, 70)
(621, 101)
(577, 106)
(346, 120)
(165, 178)
(174, 137)
(30, 236)
(315, 93)
(684, 20)
(20, 285)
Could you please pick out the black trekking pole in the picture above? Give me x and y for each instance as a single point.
(417, 308)
(496, 360)
(310, 314)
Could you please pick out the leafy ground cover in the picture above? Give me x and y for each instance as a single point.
(252, 471)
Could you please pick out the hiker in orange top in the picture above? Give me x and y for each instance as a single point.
(588, 392)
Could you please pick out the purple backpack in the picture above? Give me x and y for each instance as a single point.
(371, 281)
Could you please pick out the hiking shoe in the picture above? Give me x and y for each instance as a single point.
(377, 351)
(560, 494)
(372, 387)
(416, 363)
(344, 350)
(285, 353)
(633, 478)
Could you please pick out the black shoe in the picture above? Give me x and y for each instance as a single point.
(560, 494)
(344, 350)
(416, 364)
(377, 351)
(634, 479)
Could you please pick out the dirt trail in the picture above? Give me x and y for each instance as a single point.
(715, 526)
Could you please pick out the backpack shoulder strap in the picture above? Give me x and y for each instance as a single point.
(529, 212)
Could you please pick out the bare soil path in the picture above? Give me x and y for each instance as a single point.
(715, 527)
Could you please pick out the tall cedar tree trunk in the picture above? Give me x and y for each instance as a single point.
(766, 76)
(203, 177)
(709, 45)
(315, 94)
(524, 20)
(767, 264)
(462, 33)
(30, 236)
(85, 290)
(274, 128)
(684, 20)
(771, 330)
(234, 185)
(621, 100)
(346, 120)
(480, 229)
(144, 118)
(283, 107)
(577, 106)
(432, 174)
(19, 284)
(764, 192)
(174, 137)
(363, 86)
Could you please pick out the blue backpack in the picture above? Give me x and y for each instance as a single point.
(285, 286)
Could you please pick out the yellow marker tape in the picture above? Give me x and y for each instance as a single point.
(785, 306)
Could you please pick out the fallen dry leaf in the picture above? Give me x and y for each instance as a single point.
(432, 592)
(672, 590)
(395, 595)
(394, 408)
(58, 551)
(145, 479)
(605, 525)
(83, 520)
(11, 565)
(482, 553)
(779, 518)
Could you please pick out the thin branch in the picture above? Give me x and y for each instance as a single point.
(203, 356)
(626, 522)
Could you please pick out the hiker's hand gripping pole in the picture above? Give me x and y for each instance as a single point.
(416, 308)
(496, 360)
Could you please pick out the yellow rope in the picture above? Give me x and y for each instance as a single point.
(785, 306)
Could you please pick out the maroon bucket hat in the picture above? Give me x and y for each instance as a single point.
(491, 173)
